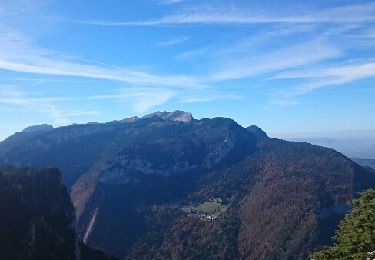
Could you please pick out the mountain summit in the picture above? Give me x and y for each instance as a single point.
(167, 186)
(177, 116)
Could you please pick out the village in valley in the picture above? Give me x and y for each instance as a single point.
(206, 211)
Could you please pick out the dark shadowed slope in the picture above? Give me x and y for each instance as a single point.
(37, 219)
(36, 216)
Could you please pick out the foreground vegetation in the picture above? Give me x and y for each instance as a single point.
(355, 238)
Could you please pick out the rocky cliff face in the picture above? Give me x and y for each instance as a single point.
(170, 186)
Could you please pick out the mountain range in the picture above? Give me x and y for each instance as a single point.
(168, 186)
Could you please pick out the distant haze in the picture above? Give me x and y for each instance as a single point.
(352, 143)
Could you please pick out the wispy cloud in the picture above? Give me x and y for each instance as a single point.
(344, 14)
(321, 78)
(329, 77)
(174, 41)
(284, 58)
(47, 66)
(18, 54)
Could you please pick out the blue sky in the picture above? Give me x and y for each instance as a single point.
(287, 66)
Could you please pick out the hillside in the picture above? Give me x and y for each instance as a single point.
(170, 186)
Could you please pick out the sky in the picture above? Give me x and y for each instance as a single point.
(286, 66)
